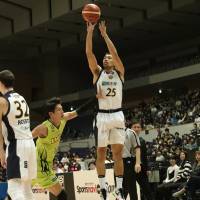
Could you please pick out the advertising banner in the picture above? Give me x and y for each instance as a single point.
(86, 185)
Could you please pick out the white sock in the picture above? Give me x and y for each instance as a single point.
(102, 182)
(119, 180)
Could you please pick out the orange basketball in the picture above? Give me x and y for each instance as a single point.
(91, 13)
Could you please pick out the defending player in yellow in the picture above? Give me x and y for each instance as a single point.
(49, 134)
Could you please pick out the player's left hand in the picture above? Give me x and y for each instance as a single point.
(102, 28)
(137, 168)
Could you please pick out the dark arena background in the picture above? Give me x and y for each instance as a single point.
(43, 43)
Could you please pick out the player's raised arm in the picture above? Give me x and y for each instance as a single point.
(93, 65)
(112, 50)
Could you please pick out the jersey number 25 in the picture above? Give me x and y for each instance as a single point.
(111, 92)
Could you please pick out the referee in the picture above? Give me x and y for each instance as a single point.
(142, 177)
(131, 158)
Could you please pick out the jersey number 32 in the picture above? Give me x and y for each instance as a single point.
(22, 111)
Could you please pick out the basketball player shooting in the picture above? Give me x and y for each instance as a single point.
(110, 119)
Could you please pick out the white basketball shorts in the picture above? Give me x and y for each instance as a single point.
(21, 159)
(110, 128)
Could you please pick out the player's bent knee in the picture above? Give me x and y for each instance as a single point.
(62, 195)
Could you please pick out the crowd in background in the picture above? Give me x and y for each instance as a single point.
(68, 161)
(167, 145)
(167, 110)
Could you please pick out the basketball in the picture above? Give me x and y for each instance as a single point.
(91, 13)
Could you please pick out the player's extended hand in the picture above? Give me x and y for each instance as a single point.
(102, 28)
(90, 27)
(137, 168)
(3, 159)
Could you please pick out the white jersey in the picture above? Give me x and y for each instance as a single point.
(17, 119)
(111, 86)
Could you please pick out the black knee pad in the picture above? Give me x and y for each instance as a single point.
(62, 195)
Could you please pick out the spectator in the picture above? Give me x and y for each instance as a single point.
(88, 159)
(60, 168)
(160, 157)
(77, 158)
(185, 168)
(172, 173)
(64, 159)
(191, 145)
(184, 171)
(74, 166)
(194, 181)
(197, 118)
(66, 167)
(195, 131)
(177, 140)
(92, 166)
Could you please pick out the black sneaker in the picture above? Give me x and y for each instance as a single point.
(104, 194)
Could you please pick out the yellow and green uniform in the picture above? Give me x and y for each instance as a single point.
(46, 149)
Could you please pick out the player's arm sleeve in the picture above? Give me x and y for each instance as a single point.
(135, 141)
